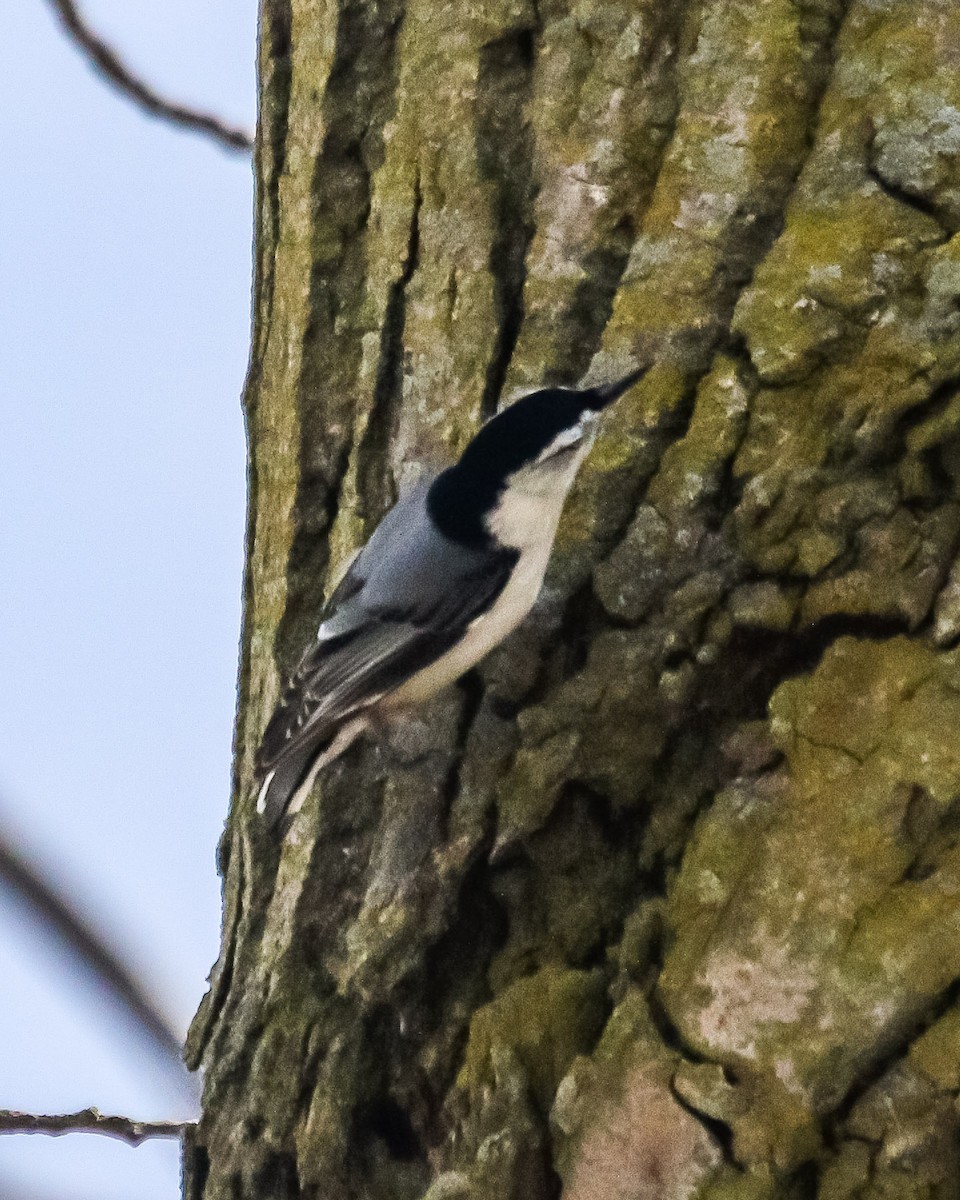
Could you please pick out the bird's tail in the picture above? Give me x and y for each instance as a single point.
(282, 788)
(285, 786)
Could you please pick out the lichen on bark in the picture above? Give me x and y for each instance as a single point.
(663, 899)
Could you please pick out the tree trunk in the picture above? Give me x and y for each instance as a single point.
(665, 899)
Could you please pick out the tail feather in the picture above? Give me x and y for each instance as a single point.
(287, 784)
(282, 782)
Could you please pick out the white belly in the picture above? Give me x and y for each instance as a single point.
(487, 631)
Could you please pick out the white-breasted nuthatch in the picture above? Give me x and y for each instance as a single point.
(448, 573)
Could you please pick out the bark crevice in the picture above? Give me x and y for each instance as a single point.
(504, 140)
(664, 872)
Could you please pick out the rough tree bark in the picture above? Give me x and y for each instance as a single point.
(665, 900)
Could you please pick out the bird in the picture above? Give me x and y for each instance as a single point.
(449, 572)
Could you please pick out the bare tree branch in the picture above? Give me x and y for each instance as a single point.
(86, 947)
(111, 66)
(90, 1120)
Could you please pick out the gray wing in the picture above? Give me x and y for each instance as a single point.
(407, 598)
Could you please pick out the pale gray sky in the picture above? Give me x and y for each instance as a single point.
(125, 261)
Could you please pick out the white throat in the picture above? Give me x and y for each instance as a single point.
(530, 506)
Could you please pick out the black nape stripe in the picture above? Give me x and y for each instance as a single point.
(457, 507)
(460, 498)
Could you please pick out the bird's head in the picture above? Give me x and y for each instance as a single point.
(522, 462)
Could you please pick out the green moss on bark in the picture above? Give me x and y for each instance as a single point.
(664, 900)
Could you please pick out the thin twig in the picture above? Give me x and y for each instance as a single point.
(90, 1120)
(85, 945)
(111, 66)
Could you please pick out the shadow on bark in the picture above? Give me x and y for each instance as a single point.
(663, 900)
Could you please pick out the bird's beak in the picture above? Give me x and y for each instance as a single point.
(608, 392)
